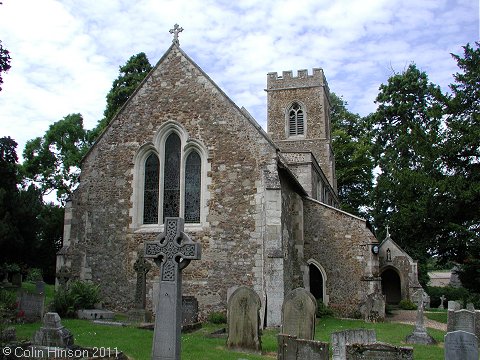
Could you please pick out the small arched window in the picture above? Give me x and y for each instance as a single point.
(150, 190)
(171, 180)
(296, 125)
(193, 176)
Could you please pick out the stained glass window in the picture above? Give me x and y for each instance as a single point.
(171, 177)
(295, 120)
(193, 167)
(150, 192)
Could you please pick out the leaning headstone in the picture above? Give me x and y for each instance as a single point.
(461, 320)
(340, 339)
(419, 334)
(298, 314)
(172, 252)
(442, 299)
(243, 317)
(461, 345)
(52, 333)
(32, 306)
(291, 348)
(378, 351)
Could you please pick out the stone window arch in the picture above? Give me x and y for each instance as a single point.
(296, 116)
(170, 179)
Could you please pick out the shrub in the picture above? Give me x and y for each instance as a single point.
(8, 305)
(217, 318)
(79, 295)
(34, 274)
(323, 310)
(407, 304)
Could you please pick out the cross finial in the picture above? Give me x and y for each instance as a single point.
(388, 232)
(175, 31)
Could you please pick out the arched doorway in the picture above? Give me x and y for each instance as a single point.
(391, 286)
(316, 282)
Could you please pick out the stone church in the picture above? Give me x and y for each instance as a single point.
(263, 205)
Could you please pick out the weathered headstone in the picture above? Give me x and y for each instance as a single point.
(298, 314)
(172, 252)
(454, 306)
(291, 348)
(243, 317)
(469, 306)
(461, 320)
(419, 334)
(461, 345)
(40, 287)
(340, 339)
(420, 294)
(17, 280)
(373, 307)
(189, 310)
(52, 333)
(442, 299)
(63, 275)
(378, 351)
(139, 313)
(32, 306)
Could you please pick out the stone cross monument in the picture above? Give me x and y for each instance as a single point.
(172, 252)
(141, 267)
(175, 31)
(442, 299)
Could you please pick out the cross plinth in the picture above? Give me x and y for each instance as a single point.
(175, 31)
(172, 252)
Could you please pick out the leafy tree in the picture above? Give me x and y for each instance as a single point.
(406, 137)
(4, 62)
(53, 160)
(131, 75)
(354, 163)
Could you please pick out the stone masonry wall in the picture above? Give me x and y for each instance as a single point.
(341, 243)
(232, 238)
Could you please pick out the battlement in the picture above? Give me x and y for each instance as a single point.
(303, 79)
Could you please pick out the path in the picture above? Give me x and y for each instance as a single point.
(409, 317)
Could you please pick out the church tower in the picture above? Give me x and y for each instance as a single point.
(298, 121)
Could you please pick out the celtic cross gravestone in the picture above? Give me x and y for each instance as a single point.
(141, 267)
(172, 252)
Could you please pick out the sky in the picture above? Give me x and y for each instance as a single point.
(66, 54)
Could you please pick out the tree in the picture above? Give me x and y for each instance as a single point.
(53, 161)
(460, 241)
(130, 77)
(406, 133)
(354, 163)
(4, 62)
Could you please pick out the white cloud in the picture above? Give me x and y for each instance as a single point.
(66, 54)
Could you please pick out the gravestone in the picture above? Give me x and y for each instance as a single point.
(52, 333)
(298, 314)
(40, 287)
(373, 308)
(95, 314)
(442, 299)
(291, 348)
(32, 306)
(63, 275)
(461, 320)
(17, 280)
(172, 252)
(378, 351)
(469, 306)
(340, 339)
(243, 317)
(421, 294)
(139, 313)
(461, 345)
(454, 306)
(419, 334)
(189, 310)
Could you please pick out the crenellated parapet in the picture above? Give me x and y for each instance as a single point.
(303, 80)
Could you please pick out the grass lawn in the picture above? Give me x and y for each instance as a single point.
(136, 343)
(440, 316)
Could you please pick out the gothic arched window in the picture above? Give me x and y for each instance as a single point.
(171, 177)
(150, 190)
(296, 125)
(193, 176)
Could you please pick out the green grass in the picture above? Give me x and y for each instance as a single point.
(136, 343)
(440, 316)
